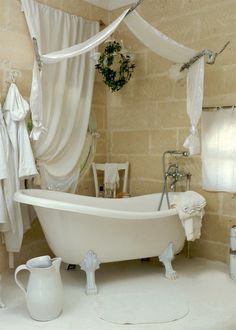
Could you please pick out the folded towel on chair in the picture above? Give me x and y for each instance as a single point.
(111, 176)
(190, 207)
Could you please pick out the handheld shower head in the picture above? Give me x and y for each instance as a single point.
(177, 153)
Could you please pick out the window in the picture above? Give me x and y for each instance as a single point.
(219, 150)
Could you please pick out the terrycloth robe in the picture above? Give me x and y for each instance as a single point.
(21, 163)
(4, 151)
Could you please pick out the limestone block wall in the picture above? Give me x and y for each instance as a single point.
(148, 116)
(17, 54)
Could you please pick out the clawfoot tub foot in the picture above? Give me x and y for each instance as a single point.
(166, 257)
(90, 264)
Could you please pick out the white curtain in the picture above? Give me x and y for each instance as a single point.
(157, 41)
(89, 149)
(67, 89)
(219, 150)
(195, 82)
(70, 46)
(85, 46)
(173, 51)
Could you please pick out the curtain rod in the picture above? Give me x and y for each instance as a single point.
(35, 44)
(134, 6)
(211, 57)
(218, 107)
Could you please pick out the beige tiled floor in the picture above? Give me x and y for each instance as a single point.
(210, 293)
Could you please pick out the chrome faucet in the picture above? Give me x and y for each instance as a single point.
(174, 173)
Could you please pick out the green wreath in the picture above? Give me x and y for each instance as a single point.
(115, 57)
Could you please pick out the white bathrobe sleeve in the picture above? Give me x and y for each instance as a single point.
(4, 145)
(18, 108)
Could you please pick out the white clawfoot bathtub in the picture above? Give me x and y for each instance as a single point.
(89, 230)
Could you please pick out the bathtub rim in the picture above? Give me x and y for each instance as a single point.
(21, 197)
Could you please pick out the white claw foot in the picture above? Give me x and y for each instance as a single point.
(166, 257)
(90, 264)
(171, 275)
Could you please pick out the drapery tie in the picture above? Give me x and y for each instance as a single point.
(192, 142)
(37, 130)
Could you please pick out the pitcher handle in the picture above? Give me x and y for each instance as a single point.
(19, 283)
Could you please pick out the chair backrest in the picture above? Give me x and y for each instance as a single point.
(101, 167)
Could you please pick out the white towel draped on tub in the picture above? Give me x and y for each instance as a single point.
(111, 176)
(190, 207)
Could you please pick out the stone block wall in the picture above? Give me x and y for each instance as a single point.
(149, 115)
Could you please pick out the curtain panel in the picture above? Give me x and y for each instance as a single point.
(61, 94)
(219, 150)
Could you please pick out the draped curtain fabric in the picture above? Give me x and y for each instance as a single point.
(219, 150)
(195, 83)
(153, 39)
(66, 89)
(177, 53)
(89, 149)
(61, 93)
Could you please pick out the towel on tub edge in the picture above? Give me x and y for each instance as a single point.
(190, 207)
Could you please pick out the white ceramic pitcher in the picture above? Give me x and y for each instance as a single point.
(44, 292)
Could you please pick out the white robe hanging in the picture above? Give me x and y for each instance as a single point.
(20, 163)
(4, 151)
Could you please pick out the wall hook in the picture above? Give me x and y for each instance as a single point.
(12, 75)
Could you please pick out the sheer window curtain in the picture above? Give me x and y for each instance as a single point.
(67, 89)
(219, 150)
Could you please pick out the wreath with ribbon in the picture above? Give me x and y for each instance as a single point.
(116, 65)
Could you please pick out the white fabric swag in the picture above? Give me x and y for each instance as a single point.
(61, 95)
(63, 85)
(219, 150)
(177, 53)
(157, 42)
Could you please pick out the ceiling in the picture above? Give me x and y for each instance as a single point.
(110, 4)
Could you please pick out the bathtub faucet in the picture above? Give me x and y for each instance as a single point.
(177, 153)
(174, 173)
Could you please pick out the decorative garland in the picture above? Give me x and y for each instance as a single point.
(115, 55)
